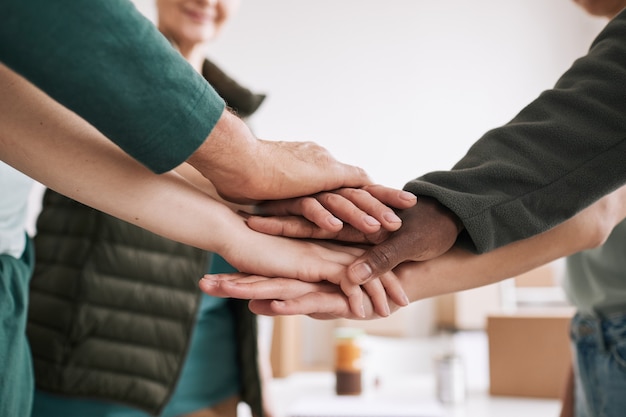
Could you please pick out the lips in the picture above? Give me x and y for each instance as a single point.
(200, 16)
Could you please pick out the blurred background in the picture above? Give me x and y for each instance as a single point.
(401, 88)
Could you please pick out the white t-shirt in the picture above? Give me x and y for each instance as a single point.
(15, 188)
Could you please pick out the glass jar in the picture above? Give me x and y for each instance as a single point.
(348, 360)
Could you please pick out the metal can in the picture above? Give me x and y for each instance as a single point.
(450, 379)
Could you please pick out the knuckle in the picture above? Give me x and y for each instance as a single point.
(306, 204)
(381, 257)
(328, 199)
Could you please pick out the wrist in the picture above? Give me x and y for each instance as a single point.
(228, 145)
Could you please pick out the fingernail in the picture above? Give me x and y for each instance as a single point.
(392, 218)
(387, 310)
(334, 221)
(362, 311)
(362, 271)
(406, 300)
(405, 195)
(209, 281)
(371, 221)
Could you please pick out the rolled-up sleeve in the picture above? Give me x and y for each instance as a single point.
(106, 62)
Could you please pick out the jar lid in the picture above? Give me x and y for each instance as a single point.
(348, 333)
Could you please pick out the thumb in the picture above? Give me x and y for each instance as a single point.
(376, 261)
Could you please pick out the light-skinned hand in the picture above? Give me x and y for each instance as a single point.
(314, 262)
(428, 230)
(366, 209)
(245, 169)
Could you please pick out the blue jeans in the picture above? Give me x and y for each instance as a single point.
(599, 347)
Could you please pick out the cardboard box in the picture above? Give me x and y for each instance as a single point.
(467, 310)
(529, 352)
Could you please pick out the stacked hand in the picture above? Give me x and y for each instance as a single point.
(245, 169)
(360, 216)
(427, 230)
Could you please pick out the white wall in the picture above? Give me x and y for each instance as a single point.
(400, 87)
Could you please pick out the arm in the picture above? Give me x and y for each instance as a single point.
(367, 210)
(558, 155)
(105, 61)
(53, 145)
(456, 270)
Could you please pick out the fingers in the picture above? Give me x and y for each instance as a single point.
(290, 226)
(299, 227)
(394, 289)
(250, 287)
(326, 305)
(329, 210)
(283, 296)
(381, 290)
(428, 230)
(366, 209)
(308, 207)
(323, 306)
(300, 296)
(355, 297)
(360, 209)
(320, 300)
(378, 260)
(392, 197)
(378, 296)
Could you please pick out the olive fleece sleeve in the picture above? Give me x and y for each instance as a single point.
(561, 153)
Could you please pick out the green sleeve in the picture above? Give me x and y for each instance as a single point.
(560, 154)
(106, 62)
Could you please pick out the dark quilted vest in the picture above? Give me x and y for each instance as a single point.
(113, 307)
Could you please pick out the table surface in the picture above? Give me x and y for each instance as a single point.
(418, 390)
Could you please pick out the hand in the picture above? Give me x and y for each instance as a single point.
(245, 169)
(307, 261)
(428, 230)
(366, 209)
(285, 296)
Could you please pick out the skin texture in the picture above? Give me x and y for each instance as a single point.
(603, 8)
(428, 230)
(245, 169)
(239, 166)
(441, 275)
(39, 136)
(192, 24)
(367, 211)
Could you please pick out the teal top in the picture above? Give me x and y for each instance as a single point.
(596, 279)
(16, 369)
(109, 64)
(210, 373)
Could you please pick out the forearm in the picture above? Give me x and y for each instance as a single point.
(108, 63)
(194, 177)
(459, 269)
(56, 147)
(558, 155)
(53, 145)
